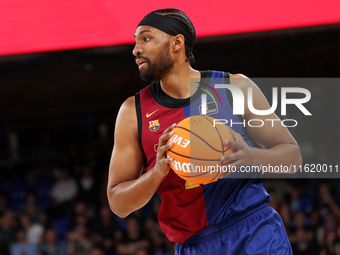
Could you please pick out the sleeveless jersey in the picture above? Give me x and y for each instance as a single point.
(186, 208)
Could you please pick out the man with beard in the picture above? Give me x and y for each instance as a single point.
(228, 216)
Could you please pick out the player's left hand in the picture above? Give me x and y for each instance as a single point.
(243, 154)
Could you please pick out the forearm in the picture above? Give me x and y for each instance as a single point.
(282, 154)
(130, 196)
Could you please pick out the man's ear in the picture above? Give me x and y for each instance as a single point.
(178, 42)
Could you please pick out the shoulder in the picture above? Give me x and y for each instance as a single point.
(127, 111)
(241, 81)
(128, 103)
(127, 118)
(247, 86)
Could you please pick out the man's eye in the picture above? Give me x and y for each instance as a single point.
(146, 39)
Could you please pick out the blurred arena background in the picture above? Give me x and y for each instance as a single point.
(65, 69)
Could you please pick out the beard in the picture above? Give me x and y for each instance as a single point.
(160, 67)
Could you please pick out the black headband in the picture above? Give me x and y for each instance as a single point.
(168, 25)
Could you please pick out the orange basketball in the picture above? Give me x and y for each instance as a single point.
(198, 147)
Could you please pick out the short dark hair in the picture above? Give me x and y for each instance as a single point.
(182, 17)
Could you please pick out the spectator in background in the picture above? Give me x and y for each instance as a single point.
(79, 242)
(301, 200)
(22, 247)
(50, 244)
(300, 220)
(8, 228)
(64, 192)
(327, 203)
(81, 215)
(132, 241)
(33, 211)
(302, 234)
(328, 235)
(106, 231)
(33, 231)
(65, 189)
(88, 186)
(304, 244)
(281, 208)
(160, 244)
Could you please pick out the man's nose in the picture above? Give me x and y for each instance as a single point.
(137, 50)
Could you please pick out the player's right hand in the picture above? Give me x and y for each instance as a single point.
(162, 166)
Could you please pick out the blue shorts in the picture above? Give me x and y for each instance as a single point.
(259, 231)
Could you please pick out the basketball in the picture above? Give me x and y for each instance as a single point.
(198, 147)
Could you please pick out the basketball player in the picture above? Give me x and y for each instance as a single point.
(228, 216)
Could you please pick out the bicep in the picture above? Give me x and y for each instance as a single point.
(127, 155)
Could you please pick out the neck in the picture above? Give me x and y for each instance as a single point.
(177, 82)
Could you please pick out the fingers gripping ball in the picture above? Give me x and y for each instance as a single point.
(198, 147)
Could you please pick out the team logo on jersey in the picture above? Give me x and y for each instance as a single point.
(154, 125)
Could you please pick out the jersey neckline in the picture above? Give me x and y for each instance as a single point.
(165, 100)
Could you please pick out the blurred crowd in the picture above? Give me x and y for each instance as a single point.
(310, 211)
(53, 201)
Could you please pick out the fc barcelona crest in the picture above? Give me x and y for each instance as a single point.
(154, 125)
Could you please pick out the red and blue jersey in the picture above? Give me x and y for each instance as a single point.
(187, 208)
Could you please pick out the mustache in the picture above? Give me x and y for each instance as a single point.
(140, 57)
